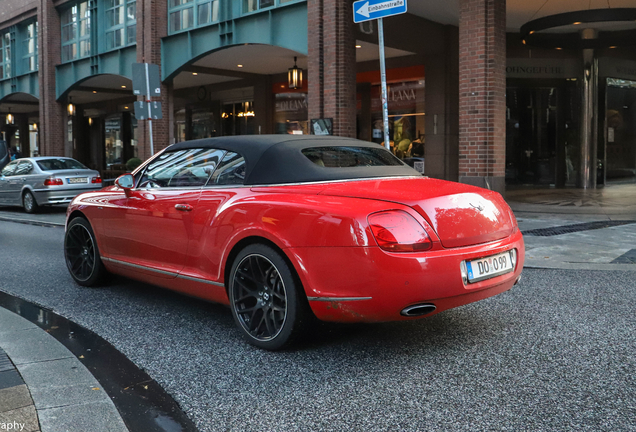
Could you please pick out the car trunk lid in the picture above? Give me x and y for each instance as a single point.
(460, 214)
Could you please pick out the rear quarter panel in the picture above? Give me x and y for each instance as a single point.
(289, 220)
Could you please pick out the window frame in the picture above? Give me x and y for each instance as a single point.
(5, 57)
(126, 25)
(259, 8)
(194, 5)
(29, 57)
(77, 38)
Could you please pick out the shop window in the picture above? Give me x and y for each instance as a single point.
(114, 145)
(121, 23)
(406, 119)
(76, 32)
(290, 113)
(5, 55)
(30, 48)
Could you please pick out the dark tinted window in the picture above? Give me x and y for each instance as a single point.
(182, 168)
(231, 171)
(59, 164)
(25, 167)
(346, 157)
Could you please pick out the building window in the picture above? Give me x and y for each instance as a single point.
(30, 48)
(5, 55)
(76, 32)
(121, 23)
(254, 5)
(185, 14)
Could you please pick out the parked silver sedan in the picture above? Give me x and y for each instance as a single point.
(45, 180)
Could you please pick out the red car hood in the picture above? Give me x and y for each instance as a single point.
(460, 214)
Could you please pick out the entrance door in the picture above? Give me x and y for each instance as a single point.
(620, 150)
(531, 135)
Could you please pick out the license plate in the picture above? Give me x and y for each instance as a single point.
(78, 180)
(485, 268)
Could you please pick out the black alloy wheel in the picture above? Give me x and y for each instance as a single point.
(266, 298)
(81, 253)
(29, 203)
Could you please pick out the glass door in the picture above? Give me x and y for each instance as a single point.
(531, 135)
(620, 117)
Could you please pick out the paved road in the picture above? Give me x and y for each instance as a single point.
(554, 354)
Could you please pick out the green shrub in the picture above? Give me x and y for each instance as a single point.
(133, 163)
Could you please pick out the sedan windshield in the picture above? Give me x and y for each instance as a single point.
(59, 164)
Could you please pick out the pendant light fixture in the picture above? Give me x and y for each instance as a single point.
(295, 76)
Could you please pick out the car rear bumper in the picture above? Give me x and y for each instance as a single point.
(61, 196)
(366, 284)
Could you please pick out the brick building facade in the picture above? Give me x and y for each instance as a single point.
(454, 106)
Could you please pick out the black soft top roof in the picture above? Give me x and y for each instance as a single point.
(278, 159)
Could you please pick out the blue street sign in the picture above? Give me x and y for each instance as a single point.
(365, 10)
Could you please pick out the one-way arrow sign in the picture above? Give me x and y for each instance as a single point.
(365, 10)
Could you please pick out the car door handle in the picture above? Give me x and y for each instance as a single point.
(183, 207)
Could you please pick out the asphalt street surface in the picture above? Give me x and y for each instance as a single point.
(556, 353)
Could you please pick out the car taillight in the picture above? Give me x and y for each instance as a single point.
(52, 181)
(96, 180)
(398, 231)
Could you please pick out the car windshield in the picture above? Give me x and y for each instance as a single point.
(59, 164)
(346, 157)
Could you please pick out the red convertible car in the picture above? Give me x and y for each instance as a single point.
(283, 228)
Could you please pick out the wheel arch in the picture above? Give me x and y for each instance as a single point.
(75, 214)
(254, 239)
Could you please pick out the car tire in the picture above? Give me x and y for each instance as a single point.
(29, 203)
(82, 255)
(267, 300)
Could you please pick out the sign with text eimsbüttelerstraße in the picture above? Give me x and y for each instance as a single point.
(365, 10)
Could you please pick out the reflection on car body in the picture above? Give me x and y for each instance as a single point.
(285, 228)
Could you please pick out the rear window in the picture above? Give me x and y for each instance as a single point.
(59, 164)
(347, 157)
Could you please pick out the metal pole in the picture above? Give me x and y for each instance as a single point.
(152, 148)
(385, 109)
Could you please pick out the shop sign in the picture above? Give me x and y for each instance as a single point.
(291, 102)
(542, 68)
(617, 68)
(399, 96)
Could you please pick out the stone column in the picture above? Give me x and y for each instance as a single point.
(332, 64)
(482, 90)
(52, 124)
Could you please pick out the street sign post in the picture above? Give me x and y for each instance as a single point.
(147, 82)
(366, 10)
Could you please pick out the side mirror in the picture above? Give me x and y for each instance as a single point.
(126, 181)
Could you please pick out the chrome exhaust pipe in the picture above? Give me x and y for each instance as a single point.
(518, 280)
(418, 310)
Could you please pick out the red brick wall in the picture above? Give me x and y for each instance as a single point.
(482, 87)
(51, 112)
(332, 64)
(13, 11)
(152, 25)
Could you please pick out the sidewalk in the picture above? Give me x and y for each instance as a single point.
(46, 384)
(577, 229)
